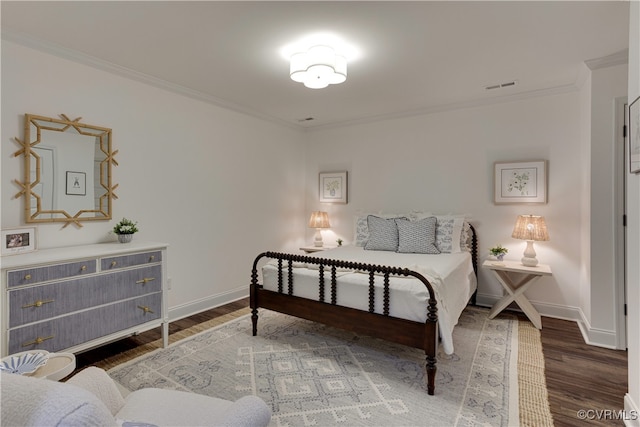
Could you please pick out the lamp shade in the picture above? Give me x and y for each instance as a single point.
(530, 227)
(319, 220)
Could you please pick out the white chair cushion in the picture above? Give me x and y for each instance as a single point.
(98, 382)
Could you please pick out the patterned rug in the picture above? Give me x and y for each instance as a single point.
(314, 375)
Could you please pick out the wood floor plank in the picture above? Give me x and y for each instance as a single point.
(580, 376)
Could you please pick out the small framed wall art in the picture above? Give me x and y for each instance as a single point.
(18, 240)
(520, 182)
(76, 183)
(333, 187)
(634, 136)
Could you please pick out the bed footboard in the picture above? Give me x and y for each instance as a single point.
(326, 311)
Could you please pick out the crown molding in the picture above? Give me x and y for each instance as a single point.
(91, 61)
(450, 107)
(85, 59)
(617, 58)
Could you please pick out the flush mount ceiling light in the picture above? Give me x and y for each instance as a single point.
(318, 67)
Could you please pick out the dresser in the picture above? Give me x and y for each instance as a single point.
(75, 298)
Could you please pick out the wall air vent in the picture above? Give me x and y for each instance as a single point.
(501, 85)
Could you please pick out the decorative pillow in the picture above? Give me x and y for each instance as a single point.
(362, 228)
(453, 233)
(449, 233)
(362, 231)
(417, 237)
(383, 234)
(465, 237)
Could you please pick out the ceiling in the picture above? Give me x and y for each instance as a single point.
(415, 57)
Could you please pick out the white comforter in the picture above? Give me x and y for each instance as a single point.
(451, 276)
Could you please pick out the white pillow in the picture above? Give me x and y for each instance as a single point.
(449, 233)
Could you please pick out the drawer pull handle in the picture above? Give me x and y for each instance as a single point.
(113, 263)
(38, 340)
(83, 268)
(38, 303)
(145, 280)
(27, 277)
(145, 309)
(152, 258)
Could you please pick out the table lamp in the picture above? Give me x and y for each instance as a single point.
(530, 228)
(318, 220)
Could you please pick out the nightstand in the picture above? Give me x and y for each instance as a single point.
(516, 278)
(311, 249)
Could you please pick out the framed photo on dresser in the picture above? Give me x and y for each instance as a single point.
(18, 240)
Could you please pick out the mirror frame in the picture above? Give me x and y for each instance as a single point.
(103, 138)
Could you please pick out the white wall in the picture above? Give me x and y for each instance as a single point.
(599, 319)
(585, 192)
(632, 399)
(218, 186)
(443, 163)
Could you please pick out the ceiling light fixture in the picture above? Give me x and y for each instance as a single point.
(318, 67)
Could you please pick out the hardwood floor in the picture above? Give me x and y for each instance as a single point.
(578, 376)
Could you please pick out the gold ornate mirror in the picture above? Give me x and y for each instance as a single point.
(67, 171)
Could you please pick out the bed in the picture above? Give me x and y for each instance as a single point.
(410, 298)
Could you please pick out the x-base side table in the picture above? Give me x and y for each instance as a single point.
(503, 270)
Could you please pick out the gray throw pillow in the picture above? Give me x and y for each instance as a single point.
(418, 237)
(383, 234)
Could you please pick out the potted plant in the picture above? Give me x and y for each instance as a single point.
(125, 230)
(499, 252)
(339, 241)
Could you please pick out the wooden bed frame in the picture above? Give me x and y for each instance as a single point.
(326, 311)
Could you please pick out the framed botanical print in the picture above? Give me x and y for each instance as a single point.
(520, 182)
(333, 187)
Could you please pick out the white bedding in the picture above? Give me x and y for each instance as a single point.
(451, 276)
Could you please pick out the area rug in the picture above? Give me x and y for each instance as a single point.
(310, 374)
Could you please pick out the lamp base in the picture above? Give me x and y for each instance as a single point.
(317, 240)
(529, 259)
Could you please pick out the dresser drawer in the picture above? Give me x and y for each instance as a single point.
(36, 303)
(124, 261)
(78, 328)
(52, 272)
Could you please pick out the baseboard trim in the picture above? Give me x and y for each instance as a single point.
(204, 304)
(632, 412)
(545, 309)
(592, 336)
(597, 337)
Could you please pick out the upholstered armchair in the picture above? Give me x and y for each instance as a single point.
(92, 398)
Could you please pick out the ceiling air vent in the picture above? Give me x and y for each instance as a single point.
(501, 85)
